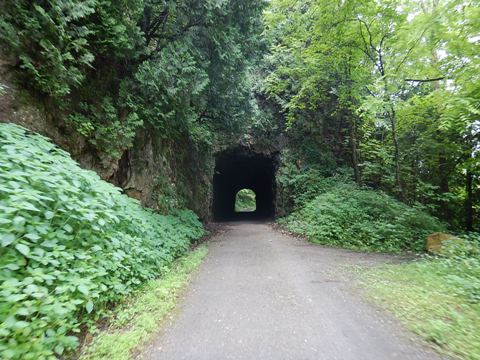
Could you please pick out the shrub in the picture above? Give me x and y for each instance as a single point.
(349, 216)
(302, 185)
(70, 245)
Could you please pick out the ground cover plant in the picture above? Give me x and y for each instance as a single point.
(350, 216)
(437, 297)
(139, 317)
(70, 245)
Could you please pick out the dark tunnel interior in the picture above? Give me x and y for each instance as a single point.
(240, 168)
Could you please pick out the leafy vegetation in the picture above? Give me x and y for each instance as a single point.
(109, 69)
(439, 298)
(301, 185)
(139, 317)
(374, 106)
(245, 201)
(353, 217)
(388, 88)
(71, 245)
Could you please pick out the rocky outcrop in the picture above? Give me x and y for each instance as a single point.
(436, 242)
(32, 112)
(164, 174)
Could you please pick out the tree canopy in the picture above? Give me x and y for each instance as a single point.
(112, 67)
(396, 83)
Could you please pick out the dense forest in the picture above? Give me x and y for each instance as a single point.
(371, 110)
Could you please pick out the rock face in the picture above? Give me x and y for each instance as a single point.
(163, 174)
(18, 107)
(159, 172)
(435, 242)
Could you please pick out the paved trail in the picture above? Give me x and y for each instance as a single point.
(264, 295)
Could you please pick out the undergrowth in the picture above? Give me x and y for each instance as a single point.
(437, 297)
(139, 317)
(349, 216)
(70, 245)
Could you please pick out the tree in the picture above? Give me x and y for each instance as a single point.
(391, 75)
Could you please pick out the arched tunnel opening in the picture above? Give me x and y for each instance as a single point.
(238, 169)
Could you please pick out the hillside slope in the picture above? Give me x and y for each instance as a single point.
(71, 245)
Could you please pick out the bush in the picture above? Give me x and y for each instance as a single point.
(70, 245)
(353, 217)
(301, 185)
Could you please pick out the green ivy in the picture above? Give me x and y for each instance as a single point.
(70, 245)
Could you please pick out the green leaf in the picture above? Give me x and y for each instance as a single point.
(23, 311)
(12, 267)
(89, 306)
(49, 243)
(32, 236)
(7, 239)
(59, 349)
(23, 249)
(20, 325)
(83, 289)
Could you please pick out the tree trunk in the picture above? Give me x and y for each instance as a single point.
(396, 155)
(469, 201)
(444, 185)
(354, 144)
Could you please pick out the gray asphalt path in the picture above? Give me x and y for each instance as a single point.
(261, 294)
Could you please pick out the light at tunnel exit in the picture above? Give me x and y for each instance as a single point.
(245, 201)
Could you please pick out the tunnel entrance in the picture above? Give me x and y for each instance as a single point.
(238, 169)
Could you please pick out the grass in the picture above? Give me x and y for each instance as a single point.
(422, 295)
(140, 317)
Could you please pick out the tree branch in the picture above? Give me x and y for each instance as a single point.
(426, 80)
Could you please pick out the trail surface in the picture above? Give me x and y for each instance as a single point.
(261, 294)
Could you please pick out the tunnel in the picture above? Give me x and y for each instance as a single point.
(242, 168)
